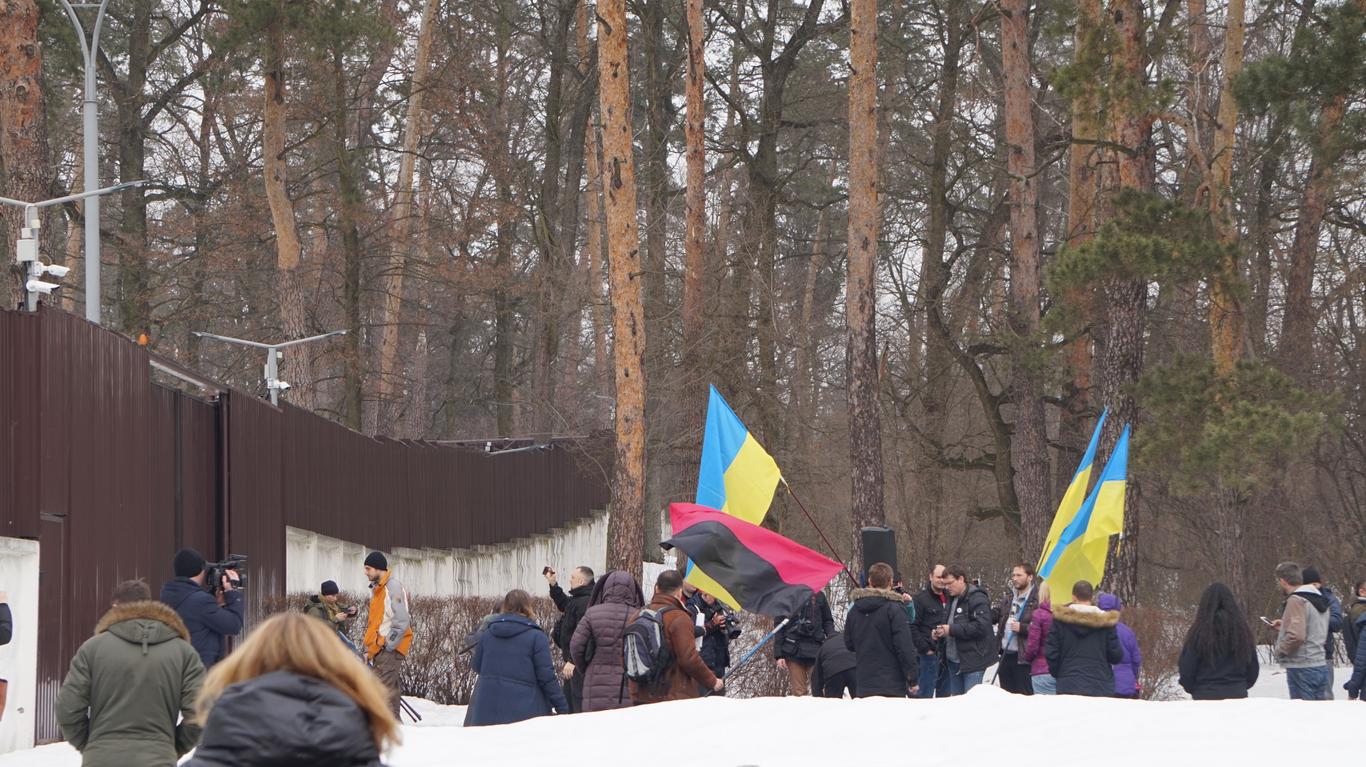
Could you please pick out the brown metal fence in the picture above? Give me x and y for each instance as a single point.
(112, 472)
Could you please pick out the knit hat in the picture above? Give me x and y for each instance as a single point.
(1311, 575)
(329, 589)
(377, 561)
(188, 563)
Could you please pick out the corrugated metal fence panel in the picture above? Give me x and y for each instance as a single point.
(112, 473)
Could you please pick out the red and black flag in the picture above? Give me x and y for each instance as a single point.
(745, 565)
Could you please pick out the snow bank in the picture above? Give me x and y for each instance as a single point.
(805, 731)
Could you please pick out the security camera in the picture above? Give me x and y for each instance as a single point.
(57, 270)
(38, 286)
(282, 386)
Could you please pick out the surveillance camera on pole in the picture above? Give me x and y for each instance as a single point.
(274, 353)
(26, 247)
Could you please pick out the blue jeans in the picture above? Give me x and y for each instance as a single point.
(960, 682)
(1044, 684)
(1307, 683)
(934, 680)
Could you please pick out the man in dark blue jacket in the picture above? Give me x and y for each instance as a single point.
(209, 618)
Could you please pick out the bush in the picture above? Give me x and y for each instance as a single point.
(1160, 634)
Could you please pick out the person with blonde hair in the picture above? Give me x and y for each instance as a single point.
(292, 694)
(516, 675)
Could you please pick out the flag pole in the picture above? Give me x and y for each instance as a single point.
(820, 532)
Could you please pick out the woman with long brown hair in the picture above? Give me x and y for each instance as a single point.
(516, 675)
(292, 694)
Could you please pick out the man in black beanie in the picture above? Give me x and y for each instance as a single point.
(210, 616)
(389, 630)
(323, 606)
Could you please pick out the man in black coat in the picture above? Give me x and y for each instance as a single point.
(717, 630)
(211, 615)
(877, 632)
(931, 609)
(573, 605)
(1083, 646)
(969, 642)
(797, 645)
(835, 669)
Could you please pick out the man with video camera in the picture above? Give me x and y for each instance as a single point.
(719, 627)
(211, 611)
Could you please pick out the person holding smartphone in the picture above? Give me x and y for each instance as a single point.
(573, 605)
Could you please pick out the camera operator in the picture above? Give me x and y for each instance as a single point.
(719, 627)
(211, 612)
(797, 646)
(324, 607)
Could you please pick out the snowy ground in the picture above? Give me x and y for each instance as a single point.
(804, 731)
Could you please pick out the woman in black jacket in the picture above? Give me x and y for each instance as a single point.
(1219, 658)
(292, 694)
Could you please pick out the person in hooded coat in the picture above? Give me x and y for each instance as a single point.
(597, 642)
(516, 675)
(130, 683)
(877, 632)
(1127, 670)
(293, 695)
(1083, 646)
(1040, 624)
(1219, 657)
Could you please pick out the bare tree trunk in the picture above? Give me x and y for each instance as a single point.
(602, 368)
(1029, 433)
(694, 238)
(1122, 361)
(401, 223)
(626, 531)
(1297, 326)
(505, 225)
(865, 425)
(1227, 317)
(288, 249)
(135, 271)
(23, 126)
(1082, 209)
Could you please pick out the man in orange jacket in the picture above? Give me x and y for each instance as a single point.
(388, 631)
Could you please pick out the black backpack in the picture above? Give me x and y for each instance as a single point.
(646, 653)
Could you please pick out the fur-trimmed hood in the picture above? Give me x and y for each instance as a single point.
(867, 600)
(143, 623)
(1086, 615)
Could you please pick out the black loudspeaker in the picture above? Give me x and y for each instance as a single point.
(879, 545)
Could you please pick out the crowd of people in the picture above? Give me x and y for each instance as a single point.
(155, 680)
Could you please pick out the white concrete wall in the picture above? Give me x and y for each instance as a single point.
(19, 658)
(485, 571)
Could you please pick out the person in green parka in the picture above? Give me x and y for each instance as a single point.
(129, 695)
(324, 607)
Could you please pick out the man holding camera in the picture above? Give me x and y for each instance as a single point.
(211, 612)
(324, 607)
(573, 605)
(799, 643)
(718, 629)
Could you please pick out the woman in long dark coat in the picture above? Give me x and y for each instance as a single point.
(615, 599)
(516, 676)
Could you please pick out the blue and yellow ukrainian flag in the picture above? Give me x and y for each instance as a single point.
(737, 477)
(1083, 548)
(1074, 497)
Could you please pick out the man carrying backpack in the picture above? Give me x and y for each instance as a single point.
(661, 658)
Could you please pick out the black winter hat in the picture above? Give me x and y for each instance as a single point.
(1311, 575)
(377, 561)
(330, 589)
(188, 563)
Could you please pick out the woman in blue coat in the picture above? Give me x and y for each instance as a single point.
(516, 676)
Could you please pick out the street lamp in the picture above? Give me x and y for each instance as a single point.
(90, 138)
(274, 353)
(26, 248)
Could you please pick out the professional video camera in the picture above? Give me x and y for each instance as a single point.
(732, 624)
(214, 572)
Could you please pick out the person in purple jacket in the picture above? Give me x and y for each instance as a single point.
(1040, 624)
(1126, 671)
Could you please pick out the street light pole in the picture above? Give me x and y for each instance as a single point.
(274, 352)
(90, 138)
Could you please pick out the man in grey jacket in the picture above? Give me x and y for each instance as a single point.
(1302, 632)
